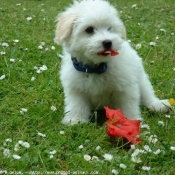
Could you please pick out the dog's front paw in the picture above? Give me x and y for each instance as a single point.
(71, 121)
(160, 105)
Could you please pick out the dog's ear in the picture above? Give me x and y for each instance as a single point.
(64, 26)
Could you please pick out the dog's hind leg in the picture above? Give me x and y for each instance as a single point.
(148, 97)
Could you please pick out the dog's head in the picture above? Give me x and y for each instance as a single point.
(91, 30)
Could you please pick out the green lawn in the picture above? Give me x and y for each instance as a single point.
(32, 139)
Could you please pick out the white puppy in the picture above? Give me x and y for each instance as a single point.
(99, 67)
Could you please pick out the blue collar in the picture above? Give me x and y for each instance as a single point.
(97, 68)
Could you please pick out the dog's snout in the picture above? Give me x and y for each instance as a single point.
(107, 44)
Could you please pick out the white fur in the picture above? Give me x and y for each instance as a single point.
(124, 85)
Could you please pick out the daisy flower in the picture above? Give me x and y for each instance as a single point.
(38, 71)
(2, 53)
(15, 156)
(95, 158)
(152, 43)
(146, 168)
(172, 148)
(135, 153)
(146, 126)
(35, 67)
(29, 18)
(12, 60)
(26, 144)
(4, 44)
(40, 47)
(43, 67)
(81, 147)
(98, 147)
(52, 47)
(2, 77)
(17, 147)
(33, 79)
(6, 152)
(167, 116)
(108, 157)
(20, 142)
(16, 41)
(138, 46)
(147, 148)
(8, 140)
(62, 132)
(157, 151)
(142, 151)
(136, 159)
(161, 123)
(162, 30)
(87, 157)
(53, 152)
(115, 172)
(134, 6)
(23, 110)
(122, 166)
(43, 43)
(153, 139)
(133, 147)
(51, 156)
(41, 134)
(53, 108)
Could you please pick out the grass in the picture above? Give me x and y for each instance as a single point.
(17, 91)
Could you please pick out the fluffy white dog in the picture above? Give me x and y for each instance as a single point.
(99, 67)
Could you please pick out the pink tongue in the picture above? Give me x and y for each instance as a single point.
(111, 52)
(114, 53)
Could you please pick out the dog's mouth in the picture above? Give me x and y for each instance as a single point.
(108, 52)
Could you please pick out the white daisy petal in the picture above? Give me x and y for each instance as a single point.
(15, 156)
(53, 152)
(95, 158)
(115, 172)
(41, 134)
(172, 148)
(2, 77)
(87, 157)
(146, 168)
(81, 147)
(108, 157)
(62, 132)
(122, 166)
(53, 108)
(152, 43)
(6, 152)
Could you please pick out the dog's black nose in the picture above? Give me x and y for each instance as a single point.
(107, 44)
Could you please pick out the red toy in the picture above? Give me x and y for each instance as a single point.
(120, 126)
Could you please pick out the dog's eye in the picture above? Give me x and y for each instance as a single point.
(90, 30)
(109, 29)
